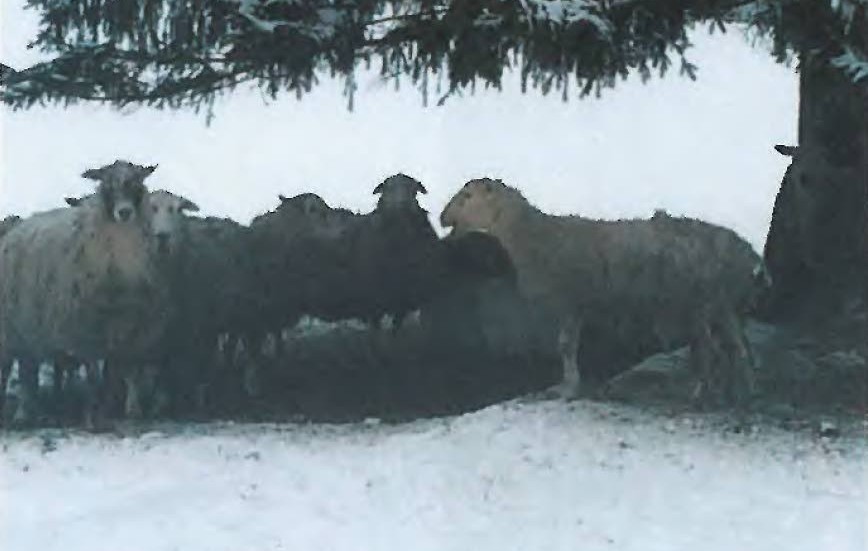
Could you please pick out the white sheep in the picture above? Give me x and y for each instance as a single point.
(83, 282)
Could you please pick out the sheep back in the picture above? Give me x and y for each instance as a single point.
(393, 251)
(211, 277)
(664, 267)
(476, 304)
(289, 253)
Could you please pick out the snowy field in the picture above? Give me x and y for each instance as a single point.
(534, 476)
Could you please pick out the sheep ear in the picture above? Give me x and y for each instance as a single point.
(787, 150)
(378, 189)
(72, 201)
(283, 198)
(92, 174)
(148, 170)
(420, 188)
(189, 205)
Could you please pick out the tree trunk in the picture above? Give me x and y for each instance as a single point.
(833, 114)
(817, 251)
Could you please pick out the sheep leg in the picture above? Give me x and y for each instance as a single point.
(155, 391)
(702, 359)
(132, 403)
(375, 322)
(739, 358)
(182, 373)
(398, 321)
(57, 386)
(57, 382)
(240, 384)
(111, 391)
(568, 347)
(28, 378)
(212, 361)
(93, 393)
(251, 375)
(5, 370)
(221, 380)
(64, 365)
(231, 381)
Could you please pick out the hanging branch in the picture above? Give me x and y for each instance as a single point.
(183, 53)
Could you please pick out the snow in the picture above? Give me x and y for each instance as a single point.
(566, 12)
(549, 12)
(852, 64)
(323, 30)
(545, 475)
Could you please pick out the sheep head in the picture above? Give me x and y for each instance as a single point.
(477, 207)
(167, 216)
(308, 205)
(398, 191)
(8, 223)
(121, 189)
(310, 213)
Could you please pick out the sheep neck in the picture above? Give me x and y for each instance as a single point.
(536, 243)
(517, 221)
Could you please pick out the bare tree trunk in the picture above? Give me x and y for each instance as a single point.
(816, 249)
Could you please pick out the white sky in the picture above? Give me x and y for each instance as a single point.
(699, 148)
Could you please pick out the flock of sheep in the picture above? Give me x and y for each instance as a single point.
(124, 281)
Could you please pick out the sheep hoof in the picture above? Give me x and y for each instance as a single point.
(134, 412)
(23, 417)
(563, 391)
(99, 426)
(698, 392)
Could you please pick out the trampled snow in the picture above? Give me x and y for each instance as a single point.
(532, 476)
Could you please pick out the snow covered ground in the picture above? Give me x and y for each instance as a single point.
(533, 476)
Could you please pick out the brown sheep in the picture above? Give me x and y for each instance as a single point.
(682, 275)
(82, 282)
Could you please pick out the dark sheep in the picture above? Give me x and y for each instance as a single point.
(389, 253)
(333, 264)
(476, 305)
(293, 253)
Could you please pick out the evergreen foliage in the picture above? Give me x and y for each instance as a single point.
(184, 53)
